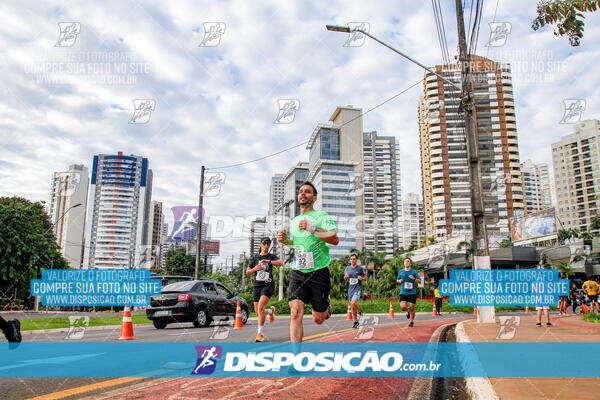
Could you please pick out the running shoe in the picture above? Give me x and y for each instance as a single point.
(259, 337)
(356, 324)
(548, 324)
(411, 324)
(538, 324)
(272, 315)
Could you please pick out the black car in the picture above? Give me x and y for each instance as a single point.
(197, 301)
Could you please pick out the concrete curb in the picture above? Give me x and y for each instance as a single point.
(422, 387)
(479, 388)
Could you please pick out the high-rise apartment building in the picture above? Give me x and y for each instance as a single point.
(276, 193)
(116, 231)
(292, 181)
(576, 161)
(155, 232)
(258, 230)
(531, 187)
(382, 197)
(446, 189)
(545, 184)
(68, 201)
(412, 220)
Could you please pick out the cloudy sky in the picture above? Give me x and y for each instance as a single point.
(66, 98)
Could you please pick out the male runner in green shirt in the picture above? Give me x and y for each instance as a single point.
(310, 281)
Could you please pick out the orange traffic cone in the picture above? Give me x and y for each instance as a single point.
(391, 310)
(475, 310)
(435, 312)
(239, 324)
(526, 309)
(127, 325)
(349, 316)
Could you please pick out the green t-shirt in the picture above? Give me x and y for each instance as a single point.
(305, 242)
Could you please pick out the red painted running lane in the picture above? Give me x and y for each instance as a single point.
(302, 387)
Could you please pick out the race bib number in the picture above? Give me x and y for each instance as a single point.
(353, 281)
(408, 285)
(304, 260)
(262, 276)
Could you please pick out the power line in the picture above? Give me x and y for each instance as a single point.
(303, 143)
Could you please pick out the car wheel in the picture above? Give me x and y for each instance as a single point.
(202, 319)
(244, 316)
(158, 324)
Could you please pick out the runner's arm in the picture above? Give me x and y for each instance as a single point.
(276, 262)
(330, 237)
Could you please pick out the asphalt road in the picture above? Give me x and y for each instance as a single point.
(23, 388)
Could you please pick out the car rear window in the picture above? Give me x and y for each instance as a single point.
(179, 286)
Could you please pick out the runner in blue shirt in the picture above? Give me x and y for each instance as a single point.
(354, 274)
(408, 278)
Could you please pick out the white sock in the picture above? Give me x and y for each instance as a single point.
(269, 311)
(260, 328)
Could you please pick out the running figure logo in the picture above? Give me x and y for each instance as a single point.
(287, 110)
(357, 39)
(185, 225)
(499, 32)
(207, 359)
(68, 34)
(213, 182)
(508, 327)
(573, 110)
(142, 110)
(212, 34)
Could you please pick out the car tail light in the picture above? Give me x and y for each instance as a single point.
(184, 297)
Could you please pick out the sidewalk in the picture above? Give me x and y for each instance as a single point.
(566, 329)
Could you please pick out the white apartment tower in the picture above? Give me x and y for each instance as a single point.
(576, 160)
(116, 232)
(68, 201)
(412, 220)
(444, 164)
(531, 187)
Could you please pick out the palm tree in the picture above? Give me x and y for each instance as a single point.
(563, 235)
(587, 235)
(564, 268)
(413, 247)
(427, 240)
(468, 247)
(507, 242)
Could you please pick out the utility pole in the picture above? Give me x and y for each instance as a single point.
(481, 257)
(199, 224)
(467, 102)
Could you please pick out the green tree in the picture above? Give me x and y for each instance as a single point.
(468, 247)
(567, 15)
(507, 242)
(177, 262)
(27, 245)
(564, 268)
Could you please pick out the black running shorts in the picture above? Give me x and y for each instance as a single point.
(311, 288)
(263, 290)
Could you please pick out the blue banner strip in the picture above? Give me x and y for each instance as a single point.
(310, 359)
